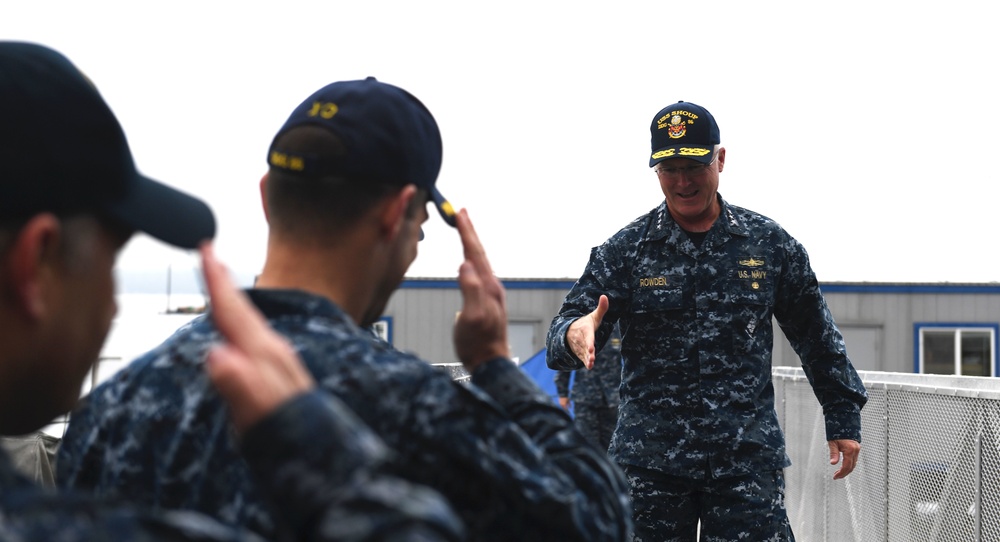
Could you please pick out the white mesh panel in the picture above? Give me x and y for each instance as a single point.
(930, 461)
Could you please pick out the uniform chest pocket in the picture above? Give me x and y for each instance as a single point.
(652, 300)
(750, 292)
(750, 308)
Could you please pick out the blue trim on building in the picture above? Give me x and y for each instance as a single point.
(451, 284)
(827, 288)
(441, 284)
(893, 288)
(917, 326)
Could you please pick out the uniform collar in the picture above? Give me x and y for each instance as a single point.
(663, 226)
(276, 303)
(732, 220)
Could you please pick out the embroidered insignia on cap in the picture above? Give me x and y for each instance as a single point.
(677, 127)
(663, 154)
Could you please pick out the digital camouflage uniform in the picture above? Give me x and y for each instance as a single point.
(509, 461)
(595, 393)
(697, 397)
(336, 491)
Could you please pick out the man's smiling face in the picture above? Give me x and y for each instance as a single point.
(690, 188)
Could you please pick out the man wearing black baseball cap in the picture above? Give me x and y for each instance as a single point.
(70, 197)
(694, 285)
(350, 175)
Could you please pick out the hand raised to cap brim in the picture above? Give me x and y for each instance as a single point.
(481, 327)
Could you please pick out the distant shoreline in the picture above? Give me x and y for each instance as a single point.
(183, 281)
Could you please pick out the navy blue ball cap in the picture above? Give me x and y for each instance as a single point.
(683, 130)
(63, 151)
(388, 136)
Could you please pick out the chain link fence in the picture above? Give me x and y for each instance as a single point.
(930, 461)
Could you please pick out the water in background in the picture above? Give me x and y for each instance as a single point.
(141, 324)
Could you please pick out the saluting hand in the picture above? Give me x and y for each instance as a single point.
(481, 327)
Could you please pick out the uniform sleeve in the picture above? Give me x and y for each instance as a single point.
(606, 273)
(808, 325)
(78, 459)
(324, 471)
(321, 466)
(572, 488)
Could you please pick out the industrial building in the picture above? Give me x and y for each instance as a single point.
(927, 328)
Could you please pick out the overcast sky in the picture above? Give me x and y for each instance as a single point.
(864, 128)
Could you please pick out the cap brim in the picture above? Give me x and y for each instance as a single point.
(698, 153)
(165, 213)
(443, 207)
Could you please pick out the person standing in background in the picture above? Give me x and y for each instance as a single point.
(694, 285)
(594, 393)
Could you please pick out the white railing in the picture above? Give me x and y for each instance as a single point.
(930, 461)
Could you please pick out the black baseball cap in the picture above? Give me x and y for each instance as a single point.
(683, 130)
(387, 133)
(62, 150)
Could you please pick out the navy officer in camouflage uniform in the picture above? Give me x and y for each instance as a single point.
(350, 176)
(594, 393)
(70, 197)
(694, 285)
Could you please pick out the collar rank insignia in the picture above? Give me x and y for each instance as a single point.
(732, 219)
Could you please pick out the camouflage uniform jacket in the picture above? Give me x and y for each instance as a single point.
(336, 492)
(509, 461)
(697, 396)
(597, 387)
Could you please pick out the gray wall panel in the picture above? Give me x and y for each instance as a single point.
(881, 315)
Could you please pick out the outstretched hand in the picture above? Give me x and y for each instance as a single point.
(580, 336)
(256, 370)
(481, 327)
